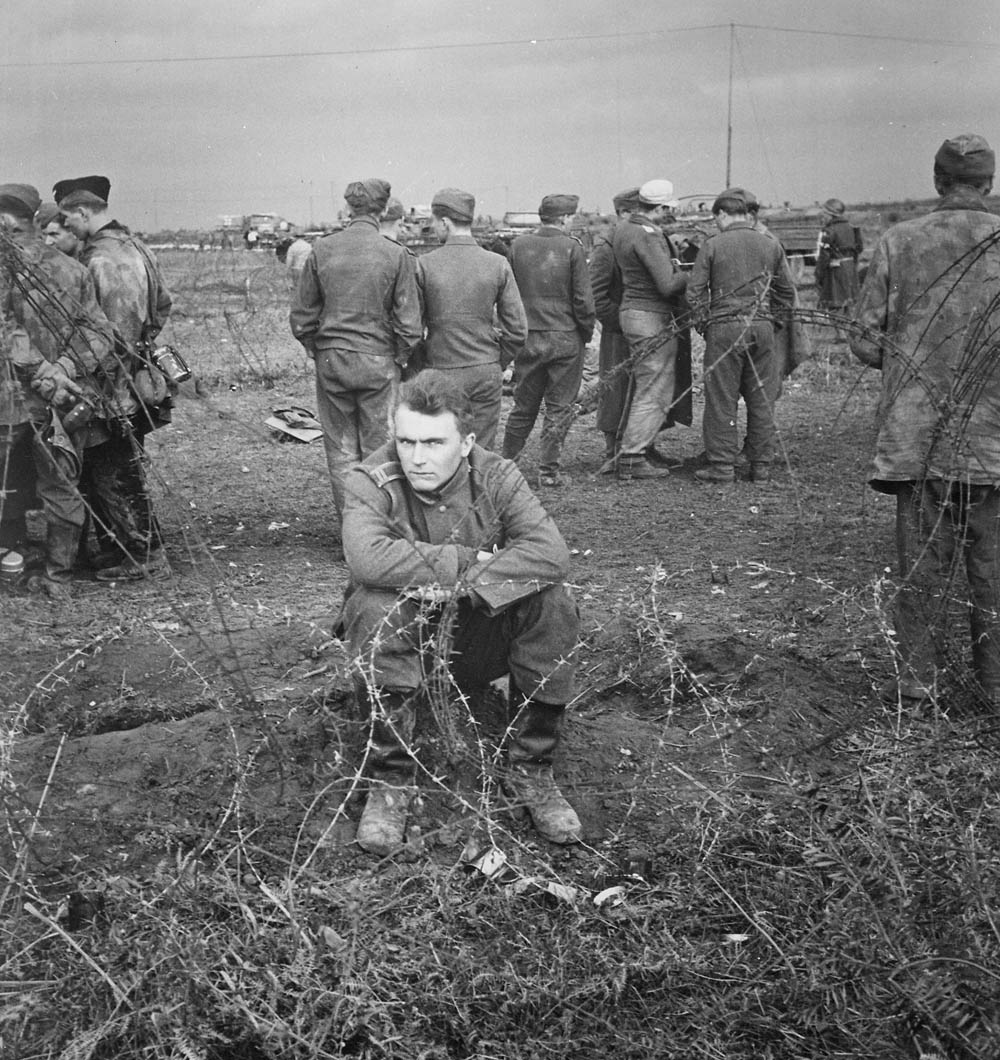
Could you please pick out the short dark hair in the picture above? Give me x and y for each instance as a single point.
(432, 392)
(946, 182)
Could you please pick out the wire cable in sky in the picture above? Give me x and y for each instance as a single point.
(402, 48)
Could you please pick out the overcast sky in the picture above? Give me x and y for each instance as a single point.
(429, 93)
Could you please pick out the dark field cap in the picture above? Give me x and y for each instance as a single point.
(460, 205)
(82, 191)
(731, 195)
(626, 200)
(741, 193)
(966, 156)
(22, 200)
(558, 205)
(394, 210)
(371, 192)
(47, 213)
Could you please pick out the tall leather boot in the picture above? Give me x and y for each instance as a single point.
(62, 540)
(383, 821)
(529, 778)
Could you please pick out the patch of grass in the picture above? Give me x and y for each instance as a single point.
(849, 915)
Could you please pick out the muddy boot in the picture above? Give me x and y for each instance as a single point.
(382, 827)
(529, 780)
(61, 543)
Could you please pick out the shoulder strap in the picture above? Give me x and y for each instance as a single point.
(385, 473)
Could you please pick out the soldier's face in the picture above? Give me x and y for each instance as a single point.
(430, 448)
(59, 237)
(77, 221)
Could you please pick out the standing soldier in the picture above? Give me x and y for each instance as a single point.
(930, 313)
(54, 338)
(551, 272)
(134, 297)
(837, 261)
(357, 313)
(651, 309)
(614, 376)
(463, 288)
(739, 285)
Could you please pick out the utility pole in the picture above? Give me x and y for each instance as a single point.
(729, 110)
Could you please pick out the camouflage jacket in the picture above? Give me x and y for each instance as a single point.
(50, 313)
(395, 538)
(130, 285)
(134, 297)
(930, 310)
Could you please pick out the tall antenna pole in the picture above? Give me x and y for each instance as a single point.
(729, 112)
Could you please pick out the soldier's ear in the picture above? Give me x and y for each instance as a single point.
(468, 442)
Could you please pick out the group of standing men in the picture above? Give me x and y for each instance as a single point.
(82, 300)
(370, 314)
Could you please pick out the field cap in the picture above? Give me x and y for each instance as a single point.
(367, 193)
(47, 213)
(82, 191)
(22, 200)
(835, 206)
(626, 200)
(558, 205)
(457, 204)
(394, 210)
(968, 156)
(732, 195)
(747, 196)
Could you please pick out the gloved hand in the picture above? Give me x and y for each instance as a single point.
(53, 382)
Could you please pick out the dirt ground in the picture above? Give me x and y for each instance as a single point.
(731, 636)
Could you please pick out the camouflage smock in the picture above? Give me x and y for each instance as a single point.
(48, 302)
(930, 307)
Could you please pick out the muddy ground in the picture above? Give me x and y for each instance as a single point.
(733, 638)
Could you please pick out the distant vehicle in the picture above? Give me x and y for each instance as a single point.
(263, 229)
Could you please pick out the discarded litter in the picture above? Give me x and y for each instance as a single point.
(294, 424)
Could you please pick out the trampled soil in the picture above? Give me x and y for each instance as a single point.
(732, 635)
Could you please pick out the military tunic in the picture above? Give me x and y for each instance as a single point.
(464, 288)
(356, 310)
(397, 541)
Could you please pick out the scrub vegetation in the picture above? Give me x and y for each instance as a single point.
(778, 863)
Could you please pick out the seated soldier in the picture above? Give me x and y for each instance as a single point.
(438, 530)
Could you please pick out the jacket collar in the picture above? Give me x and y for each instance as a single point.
(962, 197)
(364, 219)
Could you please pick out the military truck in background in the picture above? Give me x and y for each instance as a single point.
(798, 232)
(256, 231)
